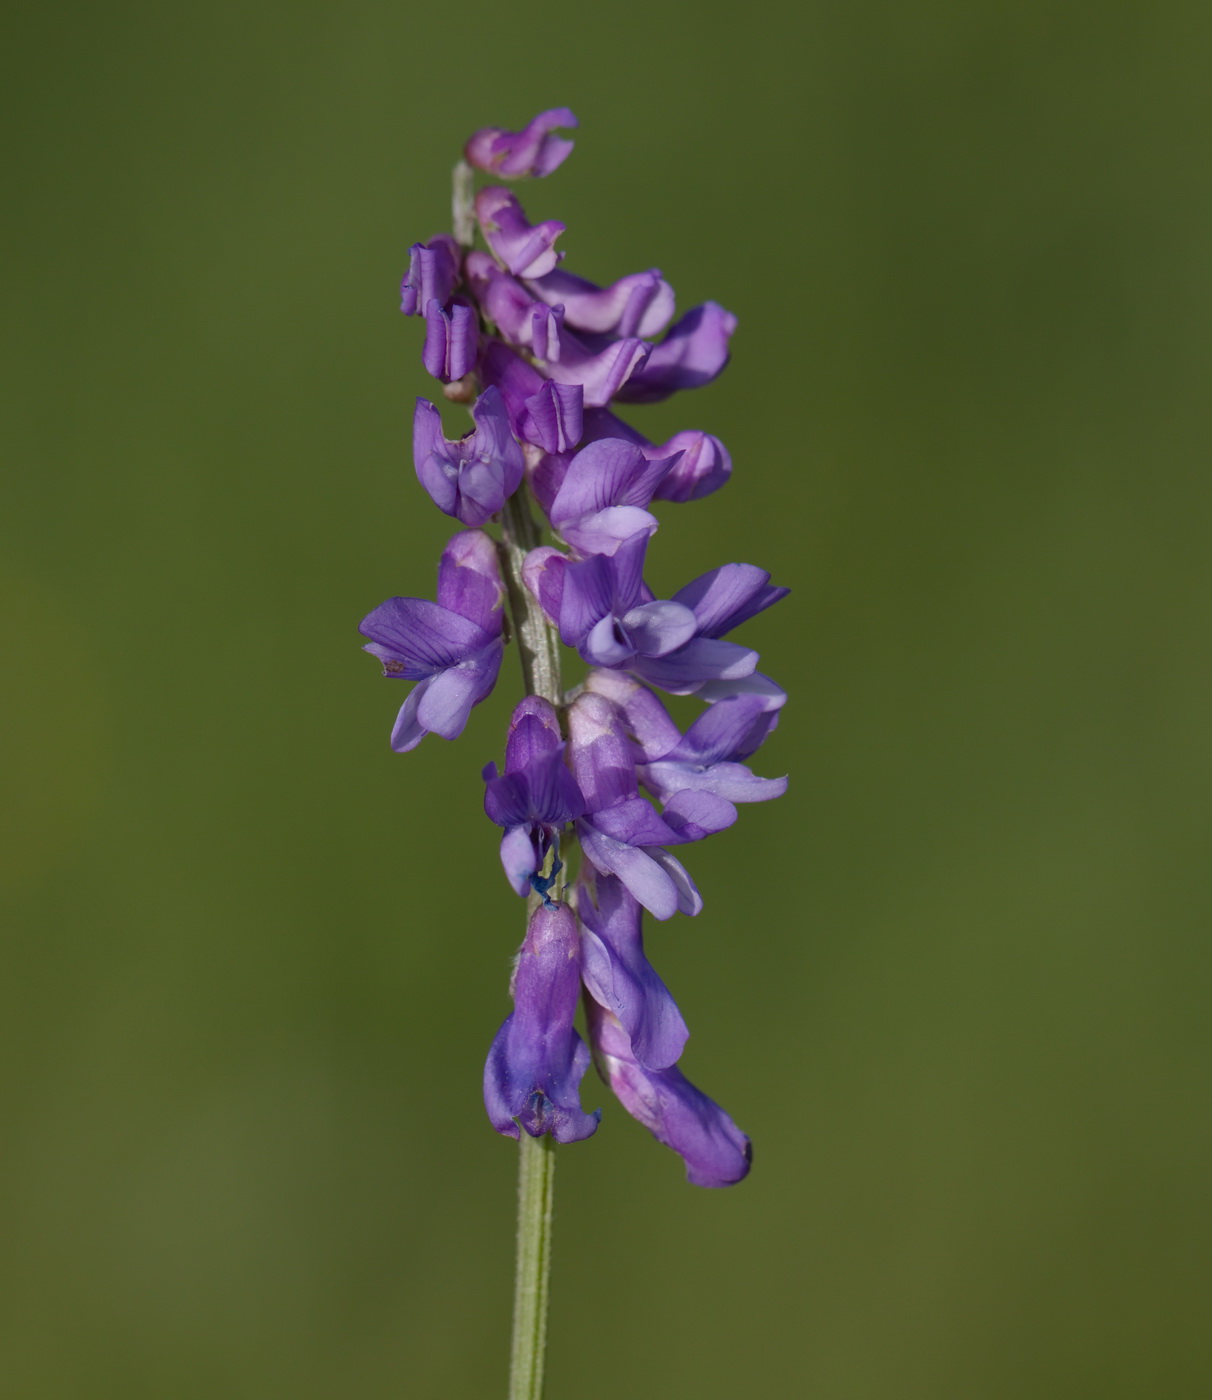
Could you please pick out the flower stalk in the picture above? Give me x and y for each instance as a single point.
(552, 493)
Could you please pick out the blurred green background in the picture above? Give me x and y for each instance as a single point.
(955, 985)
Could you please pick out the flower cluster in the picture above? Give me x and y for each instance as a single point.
(542, 357)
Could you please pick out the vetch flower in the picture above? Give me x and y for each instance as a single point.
(618, 975)
(534, 797)
(523, 248)
(433, 270)
(620, 831)
(452, 648)
(473, 476)
(451, 339)
(693, 352)
(537, 1061)
(638, 305)
(532, 151)
(720, 600)
(673, 1110)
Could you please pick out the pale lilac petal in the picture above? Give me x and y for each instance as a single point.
(696, 813)
(684, 671)
(774, 696)
(446, 705)
(732, 781)
(606, 645)
(603, 532)
(407, 732)
(690, 901)
(639, 871)
(655, 629)
(519, 858)
(534, 733)
(644, 717)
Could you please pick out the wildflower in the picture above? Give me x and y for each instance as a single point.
(452, 647)
(472, 477)
(538, 1060)
(531, 151)
(534, 797)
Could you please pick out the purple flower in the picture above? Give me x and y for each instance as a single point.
(452, 647)
(537, 1060)
(433, 270)
(523, 248)
(714, 1149)
(451, 338)
(602, 608)
(601, 371)
(531, 151)
(553, 418)
(698, 462)
(720, 600)
(708, 757)
(601, 497)
(640, 304)
(534, 797)
(620, 832)
(693, 352)
(618, 975)
(517, 315)
(473, 476)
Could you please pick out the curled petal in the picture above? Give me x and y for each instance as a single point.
(618, 975)
(693, 352)
(433, 270)
(601, 373)
(451, 339)
(553, 417)
(639, 305)
(533, 151)
(525, 249)
(725, 597)
(673, 1110)
(702, 466)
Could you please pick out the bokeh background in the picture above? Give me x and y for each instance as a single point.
(955, 985)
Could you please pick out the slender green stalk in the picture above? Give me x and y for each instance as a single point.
(536, 1183)
(538, 649)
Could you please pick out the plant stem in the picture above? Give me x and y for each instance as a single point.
(536, 1182)
(538, 649)
(538, 646)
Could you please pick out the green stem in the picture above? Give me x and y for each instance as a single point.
(536, 1183)
(538, 649)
